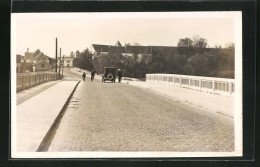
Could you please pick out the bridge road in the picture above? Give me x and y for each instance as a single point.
(120, 117)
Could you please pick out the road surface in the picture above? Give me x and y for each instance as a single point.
(120, 117)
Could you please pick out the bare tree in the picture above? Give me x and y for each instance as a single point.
(199, 42)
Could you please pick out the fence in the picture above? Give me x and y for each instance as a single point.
(26, 80)
(209, 84)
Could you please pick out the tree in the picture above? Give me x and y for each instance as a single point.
(77, 54)
(185, 42)
(218, 46)
(52, 62)
(198, 65)
(185, 47)
(71, 54)
(112, 59)
(226, 63)
(76, 62)
(178, 63)
(199, 42)
(158, 63)
(230, 45)
(100, 62)
(84, 60)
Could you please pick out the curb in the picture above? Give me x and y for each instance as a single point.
(46, 142)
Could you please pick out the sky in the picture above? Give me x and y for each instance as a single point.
(78, 31)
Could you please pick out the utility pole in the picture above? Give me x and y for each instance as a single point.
(56, 55)
(60, 62)
(62, 65)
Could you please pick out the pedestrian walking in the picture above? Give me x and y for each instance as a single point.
(93, 72)
(119, 74)
(84, 76)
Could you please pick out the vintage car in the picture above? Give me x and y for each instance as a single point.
(109, 74)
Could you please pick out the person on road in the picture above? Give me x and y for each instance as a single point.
(84, 76)
(119, 74)
(93, 72)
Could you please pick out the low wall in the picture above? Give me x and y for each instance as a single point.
(209, 84)
(26, 80)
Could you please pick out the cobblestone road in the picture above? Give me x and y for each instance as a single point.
(120, 117)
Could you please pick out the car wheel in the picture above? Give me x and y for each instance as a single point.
(110, 77)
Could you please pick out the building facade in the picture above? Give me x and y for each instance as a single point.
(131, 52)
(18, 63)
(68, 61)
(33, 62)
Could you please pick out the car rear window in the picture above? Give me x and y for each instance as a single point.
(110, 69)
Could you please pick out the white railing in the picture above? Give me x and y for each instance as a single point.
(209, 84)
(26, 80)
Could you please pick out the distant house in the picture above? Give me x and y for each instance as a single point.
(143, 53)
(132, 52)
(42, 65)
(35, 61)
(18, 63)
(28, 55)
(68, 61)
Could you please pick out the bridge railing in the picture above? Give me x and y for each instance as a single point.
(210, 84)
(26, 80)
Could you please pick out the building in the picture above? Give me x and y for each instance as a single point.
(68, 61)
(28, 54)
(42, 65)
(18, 63)
(132, 52)
(34, 62)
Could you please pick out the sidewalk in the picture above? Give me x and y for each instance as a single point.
(215, 103)
(26, 94)
(36, 112)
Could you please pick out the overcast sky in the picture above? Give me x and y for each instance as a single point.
(78, 31)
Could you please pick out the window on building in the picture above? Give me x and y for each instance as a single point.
(68, 61)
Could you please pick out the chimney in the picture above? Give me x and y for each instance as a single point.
(27, 50)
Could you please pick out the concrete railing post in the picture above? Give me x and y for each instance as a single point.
(22, 81)
(200, 84)
(189, 82)
(180, 81)
(29, 80)
(230, 87)
(213, 85)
